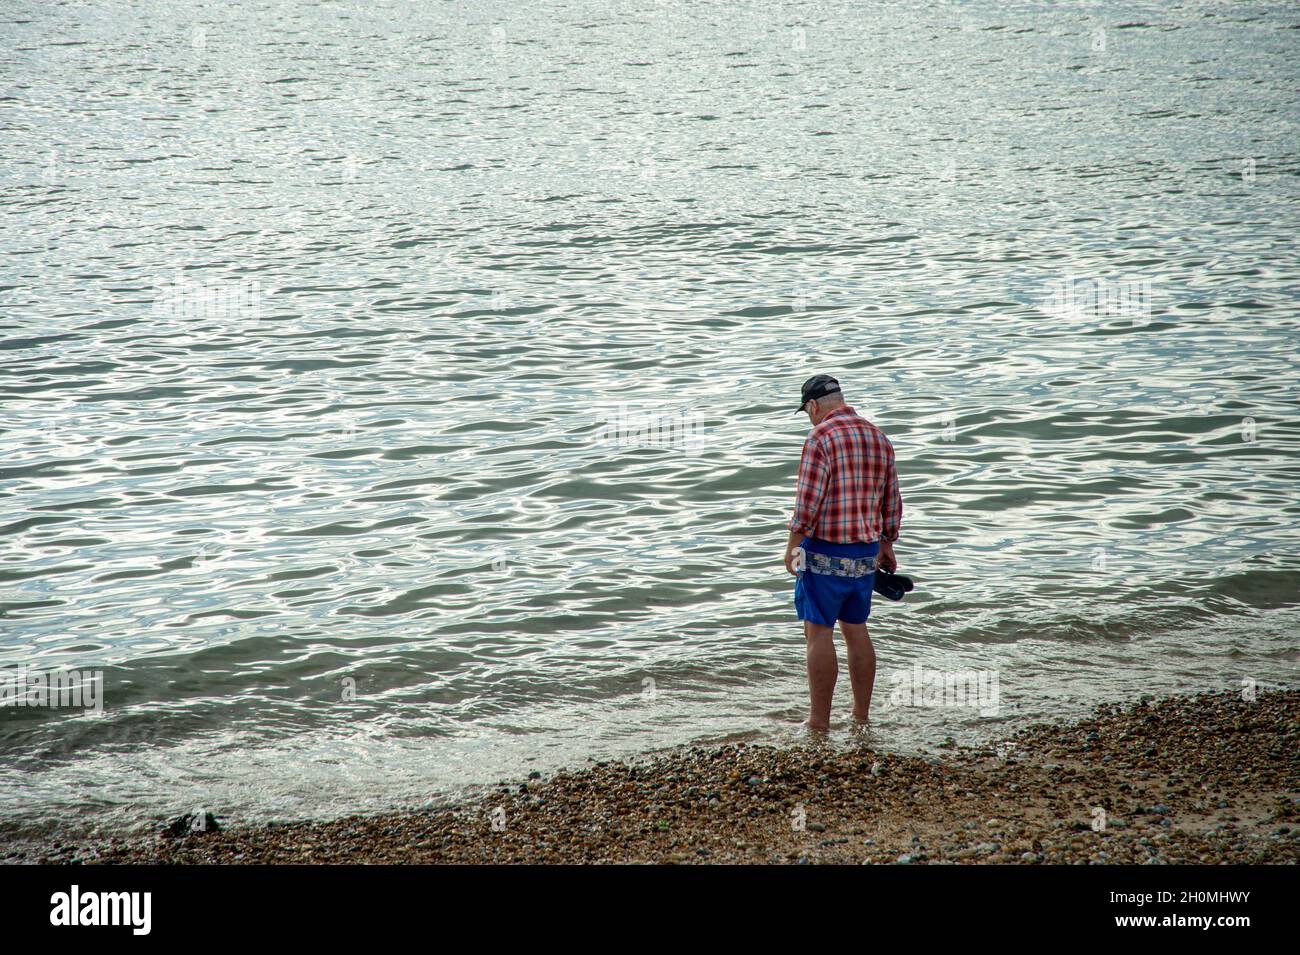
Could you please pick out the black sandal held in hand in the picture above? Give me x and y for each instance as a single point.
(892, 586)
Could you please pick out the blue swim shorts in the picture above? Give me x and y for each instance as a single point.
(836, 582)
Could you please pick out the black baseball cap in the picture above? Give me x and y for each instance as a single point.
(818, 386)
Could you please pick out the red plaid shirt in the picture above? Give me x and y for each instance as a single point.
(848, 485)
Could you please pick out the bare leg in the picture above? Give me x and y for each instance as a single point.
(823, 671)
(862, 667)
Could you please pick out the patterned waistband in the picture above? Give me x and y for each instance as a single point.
(840, 566)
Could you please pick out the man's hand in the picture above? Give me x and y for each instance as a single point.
(887, 560)
(794, 557)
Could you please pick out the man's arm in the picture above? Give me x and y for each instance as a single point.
(814, 478)
(891, 512)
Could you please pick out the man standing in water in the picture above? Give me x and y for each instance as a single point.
(846, 516)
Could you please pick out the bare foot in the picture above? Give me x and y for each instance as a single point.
(860, 730)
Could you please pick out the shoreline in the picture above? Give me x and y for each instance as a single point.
(1204, 778)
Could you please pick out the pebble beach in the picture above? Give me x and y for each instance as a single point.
(1208, 778)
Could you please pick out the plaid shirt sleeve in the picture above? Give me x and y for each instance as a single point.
(814, 478)
(891, 505)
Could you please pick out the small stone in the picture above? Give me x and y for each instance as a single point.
(191, 825)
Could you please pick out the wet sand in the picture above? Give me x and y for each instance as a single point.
(1208, 778)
